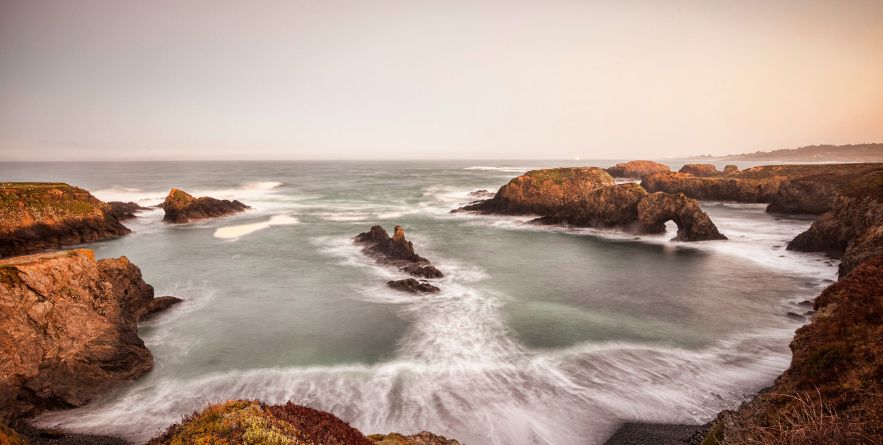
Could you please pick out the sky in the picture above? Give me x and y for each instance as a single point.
(387, 80)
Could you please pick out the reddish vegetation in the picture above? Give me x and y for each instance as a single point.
(833, 391)
(180, 207)
(36, 216)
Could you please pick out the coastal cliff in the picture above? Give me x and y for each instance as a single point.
(180, 207)
(36, 216)
(78, 318)
(833, 391)
(589, 197)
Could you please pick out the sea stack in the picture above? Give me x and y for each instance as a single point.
(37, 216)
(398, 252)
(180, 207)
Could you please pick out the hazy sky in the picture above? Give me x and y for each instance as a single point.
(434, 79)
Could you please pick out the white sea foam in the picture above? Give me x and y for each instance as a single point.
(239, 230)
(499, 169)
(265, 185)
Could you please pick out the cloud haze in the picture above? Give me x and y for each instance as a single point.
(429, 80)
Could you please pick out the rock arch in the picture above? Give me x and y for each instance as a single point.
(655, 209)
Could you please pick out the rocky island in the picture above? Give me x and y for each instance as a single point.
(36, 216)
(589, 197)
(180, 207)
(398, 252)
(636, 169)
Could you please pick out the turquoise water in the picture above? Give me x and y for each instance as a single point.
(540, 335)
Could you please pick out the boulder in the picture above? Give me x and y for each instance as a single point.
(68, 329)
(731, 169)
(396, 251)
(693, 224)
(413, 286)
(36, 216)
(636, 169)
(180, 207)
(125, 210)
(544, 192)
(700, 170)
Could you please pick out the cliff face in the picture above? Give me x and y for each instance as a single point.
(636, 169)
(245, 421)
(833, 391)
(68, 329)
(180, 207)
(593, 202)
(853, 228)
(40, 216)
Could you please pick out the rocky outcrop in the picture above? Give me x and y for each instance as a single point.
(248, 421)
(853, 229)
(787, 188)
(544, 192)
(396, 251)
(36, 216)
(700, 170)
(693, 224)
(125, 210)
(610, 206)
(68, 329)
(180, 207)
(833, 391)
(636, 169)
(731, 169)
(413, 286)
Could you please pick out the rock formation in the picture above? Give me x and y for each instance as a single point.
(544, 192)
(787, 188)
(604, 205)
(396, 251)
(36, 216)
(700, 170)
(68, 329)
(636, 169)
(853, 229)
(124, 210)
(413, 286)
(246, 421)
(731, 169)
(833, 391)
(180, 207)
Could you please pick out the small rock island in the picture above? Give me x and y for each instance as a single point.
(180, 207)
(398, 252)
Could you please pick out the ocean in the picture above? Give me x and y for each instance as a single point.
(540, 335)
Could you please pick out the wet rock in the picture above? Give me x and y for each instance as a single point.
(693, 224)
(413, 286)
(78, 318)
(396, 251)
(180, 207)
(795, 316)
(481, 194)
(36, 216)
(636, 169)
(125, 210)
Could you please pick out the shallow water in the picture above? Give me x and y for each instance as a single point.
(541, 335)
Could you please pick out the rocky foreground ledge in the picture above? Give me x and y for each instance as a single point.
(590, 197)
(180, 207)
(68, 329)
(36, 216)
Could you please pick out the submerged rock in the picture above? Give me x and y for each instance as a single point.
(68, 329)
(125, 210)
(180, 207)
(413, 286)
(636, 169)
(36, 216)
(396, 251)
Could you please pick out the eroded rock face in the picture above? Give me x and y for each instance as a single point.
(731, 169)
(68, 329)
(700, 170)
(413, 286)
(544, 192)
(831, 393)
(853, 229)
(180, 207)
(693, 224)
(37, 216)
(615, 206)
(714, 188)
(396, 251)
(636, 169)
